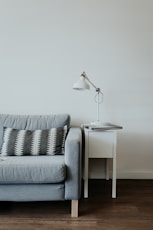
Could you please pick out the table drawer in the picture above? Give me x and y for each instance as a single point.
(100, 144)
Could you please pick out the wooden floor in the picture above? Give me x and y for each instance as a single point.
(133, 209)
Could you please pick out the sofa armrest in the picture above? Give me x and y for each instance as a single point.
(73, 158)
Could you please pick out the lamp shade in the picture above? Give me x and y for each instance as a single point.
(81, 84)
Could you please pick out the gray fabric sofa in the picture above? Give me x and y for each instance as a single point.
(43, 177)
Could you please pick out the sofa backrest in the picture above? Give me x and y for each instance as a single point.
(32, 122)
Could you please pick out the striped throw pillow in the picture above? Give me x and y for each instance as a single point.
(33, 142)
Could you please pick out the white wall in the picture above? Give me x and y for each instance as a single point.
(46, 44)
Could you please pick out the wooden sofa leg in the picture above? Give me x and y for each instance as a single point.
(74, 208)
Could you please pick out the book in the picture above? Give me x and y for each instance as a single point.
(103, 126)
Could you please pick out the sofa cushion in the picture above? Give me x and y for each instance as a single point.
(33, 122)
(32, 169)
(33, 142)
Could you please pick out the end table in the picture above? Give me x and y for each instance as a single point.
(100, 142)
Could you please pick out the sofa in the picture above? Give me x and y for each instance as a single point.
(40, 159)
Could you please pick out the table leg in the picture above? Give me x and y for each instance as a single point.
(107, 169)
(114, 169)
(86, 178)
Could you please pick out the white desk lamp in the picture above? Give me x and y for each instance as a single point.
(82, 84)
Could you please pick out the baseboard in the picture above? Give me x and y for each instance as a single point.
(134, 175)
(125, 175)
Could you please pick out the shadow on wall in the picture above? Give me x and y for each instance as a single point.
(135, 155)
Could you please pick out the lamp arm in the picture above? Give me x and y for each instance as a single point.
(85, 76)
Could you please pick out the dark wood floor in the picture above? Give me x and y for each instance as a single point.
(133, 209)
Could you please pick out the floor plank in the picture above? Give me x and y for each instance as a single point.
(132, 209)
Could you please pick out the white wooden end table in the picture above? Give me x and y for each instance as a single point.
(100, 142)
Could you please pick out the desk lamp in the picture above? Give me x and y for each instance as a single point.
(82, 84)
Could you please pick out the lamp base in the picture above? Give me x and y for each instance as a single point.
(96, 123)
